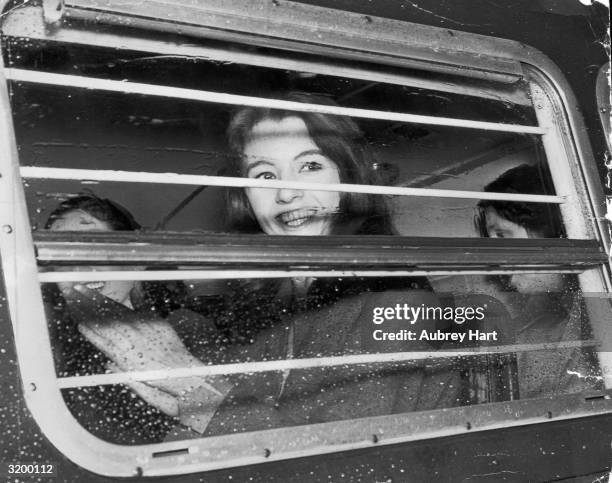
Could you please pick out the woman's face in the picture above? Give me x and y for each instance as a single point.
(283, 150)
(78, 220)
(528, 283)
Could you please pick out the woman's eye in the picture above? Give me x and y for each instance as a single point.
(311, 166)
(265, 175)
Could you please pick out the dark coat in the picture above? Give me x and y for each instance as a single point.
(335, 319)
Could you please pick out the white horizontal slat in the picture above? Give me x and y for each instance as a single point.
(310, 363)
(239, 100)
(101, 276)
(237, 182)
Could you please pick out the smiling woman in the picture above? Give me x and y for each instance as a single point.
(297, 158)
(298, 318)
(308, 147)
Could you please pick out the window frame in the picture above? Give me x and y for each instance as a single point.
(359, 38)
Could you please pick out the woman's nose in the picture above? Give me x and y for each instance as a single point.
(287, 195)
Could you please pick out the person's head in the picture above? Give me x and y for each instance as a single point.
(89, 213)
(517, 219)
(301, 147)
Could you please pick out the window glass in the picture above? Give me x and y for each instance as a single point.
(535, 325)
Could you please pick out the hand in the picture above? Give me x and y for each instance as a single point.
(132, 341)
(161, 400)
(137, 342)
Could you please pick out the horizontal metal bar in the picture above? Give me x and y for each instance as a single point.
(342, 253)
(134, 275)
(311, 363)
(350, 241)
(28, 22)
(237, 182)
(39, 77)
(306, 28)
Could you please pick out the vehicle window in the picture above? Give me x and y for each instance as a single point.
(230, 244)
(82, 129)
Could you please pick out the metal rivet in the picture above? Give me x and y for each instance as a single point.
(549, 415)
(267, 453)
(468, 425)
(33, 386)
(374, 438)
(7, 229)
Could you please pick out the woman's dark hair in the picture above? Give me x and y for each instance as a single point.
(111, 213)
(339, 139)
(542, 218)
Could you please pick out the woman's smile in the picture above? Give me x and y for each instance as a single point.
(297, 217)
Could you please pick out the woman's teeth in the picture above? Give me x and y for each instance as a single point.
(94, 285)
(296, 218)
(298, 222)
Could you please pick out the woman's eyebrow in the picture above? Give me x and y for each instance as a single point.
(308, 152)
(254, 164)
